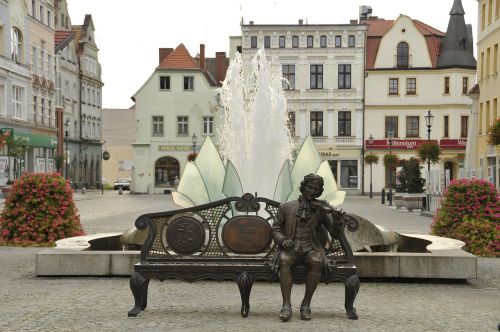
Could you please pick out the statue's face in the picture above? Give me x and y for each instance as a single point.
(312, 190)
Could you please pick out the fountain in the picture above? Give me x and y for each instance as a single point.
(255, 155)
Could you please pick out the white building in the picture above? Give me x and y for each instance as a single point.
(176, 104)
(324, 66)
(412, 68)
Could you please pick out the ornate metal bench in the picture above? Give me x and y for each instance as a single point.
(227, 240)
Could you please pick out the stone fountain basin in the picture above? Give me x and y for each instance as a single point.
(424, 257)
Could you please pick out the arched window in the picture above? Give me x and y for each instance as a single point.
(403, 55)
(17, 42)
(166, 170)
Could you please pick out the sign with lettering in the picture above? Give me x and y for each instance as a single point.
(453, 143)
(397, 144)
(246, 234)
(175, 148)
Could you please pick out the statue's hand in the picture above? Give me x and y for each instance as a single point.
(287, 244)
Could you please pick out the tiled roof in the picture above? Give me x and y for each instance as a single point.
(62, 39)
(179, 59)
(377, 28)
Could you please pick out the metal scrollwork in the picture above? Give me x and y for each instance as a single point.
(351, 223)
(247, 203)
(141, 223)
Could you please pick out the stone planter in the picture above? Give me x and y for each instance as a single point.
(413, 201)
(6, 190)
(398, 200)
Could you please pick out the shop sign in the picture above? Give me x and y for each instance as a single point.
(453, 143)
(328, 154)
(175, 148)
(401, 144)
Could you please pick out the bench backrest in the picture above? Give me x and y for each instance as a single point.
(234, 227)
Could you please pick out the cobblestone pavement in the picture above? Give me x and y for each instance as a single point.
(28, 303)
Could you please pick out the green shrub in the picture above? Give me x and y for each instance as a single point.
(475, 203)
(39, 210)
(410, 177)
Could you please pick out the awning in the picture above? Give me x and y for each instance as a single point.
(41, 141)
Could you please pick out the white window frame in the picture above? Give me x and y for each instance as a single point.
(17, 101)
(3, 108)
(190, 83)
(183, 125)
(208, 125)
(158, 125)
(16, 44)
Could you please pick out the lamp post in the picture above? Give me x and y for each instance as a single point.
(390, 136)
(66, 132)
(193, 140)
(370, 141)
(428, 121)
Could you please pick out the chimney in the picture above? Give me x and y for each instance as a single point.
(301, 21)
(251, 22)
(202, 56)
(163, 53)
(220, 67)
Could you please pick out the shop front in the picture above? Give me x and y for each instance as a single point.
(346, 168)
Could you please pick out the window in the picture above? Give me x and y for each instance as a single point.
(310, 41)
(495, 57)
(42, 109)
(164, 82)
(17, 101)
(282, 42)
(291, 123)
(465, 85)
(464, 124)
(446, 128)
(182, 125)
(33, 8)
(2, 99)
(402, 56)
(49, 18)
(1, 41)
(344, 123)
(208, 125)
(391, 124)
(480, 118)
(481, 73)
(351, 41)
(16, 44)
(411, 86)
(253, 42)
(322, 41)
(188, 82)
(295, 41)
(289, 75)
(487, 115)
(49, 107)
(447, 85)
(344, 76)
(393, 86)
(495, 108)
(348, 174)
(157, 125)
(34, 62)
(316, 78)
(316, 119)
(35, 108)
(267, 41)
(488, 59)
(483, 15)
(412, 123)
(490, 10)
(41, 13)
(497, 8)
(338, 41)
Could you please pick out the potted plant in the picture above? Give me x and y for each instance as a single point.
(411, 181)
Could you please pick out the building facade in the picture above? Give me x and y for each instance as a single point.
(484, 159)
(27, 87)
(79, 98)
(175, 111)
(411, 69)
(323, 66)
(119, 129)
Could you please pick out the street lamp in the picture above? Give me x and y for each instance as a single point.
(428, 121)
(193, 140)
(390, 136)
(66, 132)
(370, 141)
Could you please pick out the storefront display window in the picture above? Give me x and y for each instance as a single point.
(348, 173)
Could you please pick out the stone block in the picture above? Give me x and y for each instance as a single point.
(377, 264)
(437, 266)
(122, 262)
(86, 263)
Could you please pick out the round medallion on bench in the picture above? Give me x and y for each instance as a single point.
(247, 234)
(185, 235)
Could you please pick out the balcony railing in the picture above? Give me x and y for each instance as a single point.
(338, 140)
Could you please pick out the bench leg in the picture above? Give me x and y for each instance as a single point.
(139, 287)
(245, 283)
(351, 290)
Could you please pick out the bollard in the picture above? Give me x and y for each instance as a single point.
(120, 191)
(84, 190)
(383, 195)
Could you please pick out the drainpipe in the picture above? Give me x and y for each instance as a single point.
(363, 112)
(80, 83)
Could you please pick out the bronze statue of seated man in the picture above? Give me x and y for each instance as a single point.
(300, 232)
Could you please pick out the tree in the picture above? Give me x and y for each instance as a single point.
(16, 148)
(410, 177)
(494, 133)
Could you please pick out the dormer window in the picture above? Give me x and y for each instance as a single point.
(402, 56)
(461, 44)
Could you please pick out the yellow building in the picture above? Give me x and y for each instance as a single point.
(484, 159)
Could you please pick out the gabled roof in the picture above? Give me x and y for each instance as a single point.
(378, 27)
(179, 59)
(62, 38)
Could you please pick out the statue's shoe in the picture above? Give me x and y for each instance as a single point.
(286, 313)
(305, 312)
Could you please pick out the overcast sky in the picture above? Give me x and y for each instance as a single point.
(129, 33)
